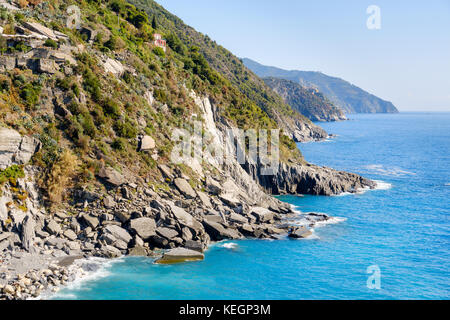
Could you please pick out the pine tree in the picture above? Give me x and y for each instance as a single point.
(154, 25)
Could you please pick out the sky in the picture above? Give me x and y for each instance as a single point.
(405, 61)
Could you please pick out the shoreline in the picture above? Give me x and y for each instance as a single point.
(80, 275)
(43, 275)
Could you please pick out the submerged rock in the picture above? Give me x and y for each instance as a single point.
(178, 255)
(299, 233)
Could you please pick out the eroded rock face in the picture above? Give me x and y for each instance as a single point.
(311, 179)
(15, 149)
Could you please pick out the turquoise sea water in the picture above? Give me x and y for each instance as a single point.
(404, 230)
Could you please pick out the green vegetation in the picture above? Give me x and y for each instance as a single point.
(11, 174)
(51, 43)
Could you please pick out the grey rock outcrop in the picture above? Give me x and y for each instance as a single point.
(185, 188)
(310, 179)
(112, 176)
(219, 232)
(144, 227)
(15, 149)
(28, 232)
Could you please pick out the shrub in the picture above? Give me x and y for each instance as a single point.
(60, 176)
(111, 108)
(119, 144)
(114, 43)
(159, 51)
(126, 129)
(51, 43)
(11, 174)
(30, 94)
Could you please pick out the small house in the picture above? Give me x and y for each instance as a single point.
(159, 41)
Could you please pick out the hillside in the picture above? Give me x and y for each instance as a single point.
(309, 102)
(343, 94)
(232, 68)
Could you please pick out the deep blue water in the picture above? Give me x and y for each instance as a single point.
(403, 230)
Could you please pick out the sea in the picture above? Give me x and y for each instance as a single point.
(388, 243)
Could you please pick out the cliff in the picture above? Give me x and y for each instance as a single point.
(309, 102)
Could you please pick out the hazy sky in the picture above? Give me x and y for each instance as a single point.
(407, 61)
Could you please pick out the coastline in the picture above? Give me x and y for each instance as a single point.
(83, 269)
(43, 275)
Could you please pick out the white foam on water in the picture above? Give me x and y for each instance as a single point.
(388, 171)
(447, 184)
(83, 270)
(313, 235)
(332, 220)
(381, 185)
(230, 245)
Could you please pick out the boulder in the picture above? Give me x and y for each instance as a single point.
(147, 143)
(7, 63)
(111, 176)
(70, 234)
(230, 200)
(204, 199)
(185, 188)
(165, 170)
(159, 241)
(299, 233)
(194, 245)
(114, 67)
(218, 232)
(109, 202)
(137, 251)
(28, 233)
(91, 221)
(53, 227)
(185, 218)
(213, 186)
(262, 215)
(144, 227)
(167, 233)
(111, 252)
(122, 216)
(118, 233)
(47, 66)
(178, 255)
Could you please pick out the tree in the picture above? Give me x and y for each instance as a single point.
(154, 24)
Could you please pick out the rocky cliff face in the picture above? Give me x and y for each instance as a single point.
(311, 179)
(309, 102)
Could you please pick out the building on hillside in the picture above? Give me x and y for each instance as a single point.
(159, 41)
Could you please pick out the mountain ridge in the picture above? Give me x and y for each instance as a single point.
(342, 93)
